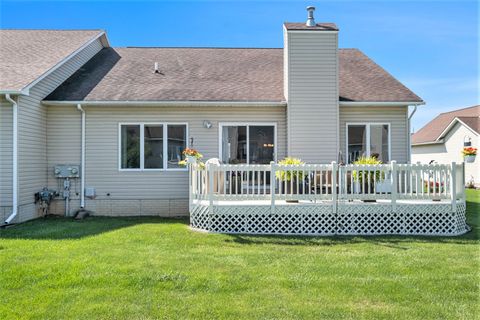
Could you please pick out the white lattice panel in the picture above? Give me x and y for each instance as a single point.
(351, 219)
(199, 217)
(368, 219)
(425, 219)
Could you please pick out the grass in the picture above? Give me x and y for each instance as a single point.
(145, 268)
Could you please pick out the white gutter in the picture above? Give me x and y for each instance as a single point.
(186, 103)
(428, 143)
(15, 92)
(409, 136)
(82, 161)
(379, 103)
(15, 160)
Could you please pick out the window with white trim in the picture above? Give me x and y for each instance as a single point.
(368, 140)
(151, 146)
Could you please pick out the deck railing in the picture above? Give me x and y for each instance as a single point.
(316, 182)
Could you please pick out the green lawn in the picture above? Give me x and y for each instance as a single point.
(142, 268)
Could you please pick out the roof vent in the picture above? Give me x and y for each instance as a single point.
(310, 19)
(155, 68)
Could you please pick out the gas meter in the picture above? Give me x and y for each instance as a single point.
(44, 198)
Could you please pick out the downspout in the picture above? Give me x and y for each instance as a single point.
(82, 164)
(410, 133)
(15, 160)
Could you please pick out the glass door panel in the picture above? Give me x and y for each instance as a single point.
(234, 144)
(261, 144)
(357, 142)
(379, 142)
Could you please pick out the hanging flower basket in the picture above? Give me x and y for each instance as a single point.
(469, 154)
(192, 156)
(469, 159)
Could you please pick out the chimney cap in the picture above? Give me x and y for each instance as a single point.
(310, 20)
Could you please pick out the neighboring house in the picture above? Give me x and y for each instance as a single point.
(143, 106)
(442, 140)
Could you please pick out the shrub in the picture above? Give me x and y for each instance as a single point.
(358, 175)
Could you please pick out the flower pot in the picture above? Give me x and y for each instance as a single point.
(357, 189)
(469, 158)
(191, 159)
(384, 186)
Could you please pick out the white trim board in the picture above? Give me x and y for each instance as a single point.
(168, 103)
(379, 103)
(219, 103)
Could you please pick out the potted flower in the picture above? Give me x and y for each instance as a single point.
(364, 178)
(291, 178)
(469, 154)
(191, 155)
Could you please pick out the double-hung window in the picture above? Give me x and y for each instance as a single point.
(368, 140)
(151, 146)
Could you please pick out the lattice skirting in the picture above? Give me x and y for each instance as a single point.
(358, 219)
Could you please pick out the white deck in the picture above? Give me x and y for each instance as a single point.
(252, 199)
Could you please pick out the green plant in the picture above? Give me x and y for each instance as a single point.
(287, 175)
(123, 267)
(360, 174)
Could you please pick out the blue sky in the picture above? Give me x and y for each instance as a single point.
(431, 46)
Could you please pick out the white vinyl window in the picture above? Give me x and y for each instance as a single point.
(368, 140)
(151, 146)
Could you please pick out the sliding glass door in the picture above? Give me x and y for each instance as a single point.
(248, 143)
(368, 140)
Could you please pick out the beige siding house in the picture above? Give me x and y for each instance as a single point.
(442, 140)
(28, 77)
(136, 109)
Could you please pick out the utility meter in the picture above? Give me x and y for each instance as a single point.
(63, 171)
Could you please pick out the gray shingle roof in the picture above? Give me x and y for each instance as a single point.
(197, 74)
(214, 74)
(26, 54)
(361, 79)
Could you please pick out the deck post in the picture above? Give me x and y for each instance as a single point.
(334, 187)
(272, 187)
(453, 186)
(190, 187)
(210, 187)
(393, 193)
